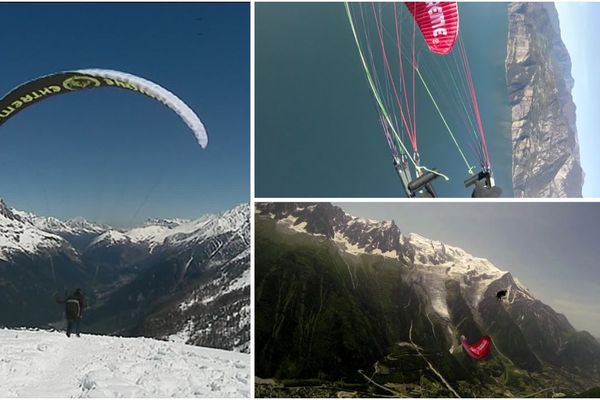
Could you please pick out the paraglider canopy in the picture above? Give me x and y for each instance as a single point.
(438, 23)
(480, 349)
(71, 81)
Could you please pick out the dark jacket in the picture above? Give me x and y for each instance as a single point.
(74, 306)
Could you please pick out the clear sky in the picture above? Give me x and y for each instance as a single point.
(119, 157)
(552, 248)
(579, 30)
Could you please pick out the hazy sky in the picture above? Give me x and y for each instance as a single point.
(552, 248)
(579, 31)
(116, 156)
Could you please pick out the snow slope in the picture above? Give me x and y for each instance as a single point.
(17, 236)
(179, 232)
(48, 364)
(112, 237)
(74, 226)
(437, 262)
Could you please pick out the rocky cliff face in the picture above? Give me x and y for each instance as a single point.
(333, 223)
(544, 136)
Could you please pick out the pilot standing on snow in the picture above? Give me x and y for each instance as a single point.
(74, 306)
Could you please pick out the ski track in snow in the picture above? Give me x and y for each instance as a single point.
(48, 364)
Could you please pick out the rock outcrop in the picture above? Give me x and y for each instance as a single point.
(544, 135)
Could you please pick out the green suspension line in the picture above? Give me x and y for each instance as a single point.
(380, 104)
(462, 103)
(469, 168)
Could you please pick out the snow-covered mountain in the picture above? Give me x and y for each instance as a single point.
(436, 263)
(48, 364)
(77, 231)
(134, 275)
(177, 232)
(455, 289)
(433, 262)
(74, 226)
(110, 237)
(215, 310)
(19, 236)
(355, 235)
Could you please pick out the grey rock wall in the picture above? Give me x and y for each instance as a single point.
(544, 136)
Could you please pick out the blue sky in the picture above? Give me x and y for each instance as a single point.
(119, 157)
(579, 30)
(552, 248)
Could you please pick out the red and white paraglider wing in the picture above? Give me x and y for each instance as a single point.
(478, 350)
(438, 22)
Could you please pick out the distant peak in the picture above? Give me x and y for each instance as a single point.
(7, 212)
(165, 222)
(110, 237)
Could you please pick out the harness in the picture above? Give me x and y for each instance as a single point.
(76, 302)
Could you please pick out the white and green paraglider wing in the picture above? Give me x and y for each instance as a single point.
(69, 81)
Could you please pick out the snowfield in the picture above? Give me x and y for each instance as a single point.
(48, 364)
(437, 262)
